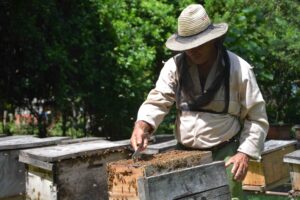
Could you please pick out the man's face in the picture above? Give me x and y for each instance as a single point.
(200, 55)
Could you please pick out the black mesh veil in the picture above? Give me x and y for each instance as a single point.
(187, 99)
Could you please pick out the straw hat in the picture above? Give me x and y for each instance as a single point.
(194, 29)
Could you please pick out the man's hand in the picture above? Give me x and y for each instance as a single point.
(140, 135)
(240, 165)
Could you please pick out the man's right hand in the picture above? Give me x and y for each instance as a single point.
(140, 135)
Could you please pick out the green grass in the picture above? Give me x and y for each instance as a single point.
(253, 196)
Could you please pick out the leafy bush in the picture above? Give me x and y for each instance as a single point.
(266, 33)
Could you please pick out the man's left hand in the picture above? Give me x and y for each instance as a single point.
(240, 165)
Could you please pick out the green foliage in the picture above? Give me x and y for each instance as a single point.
(140, 29)
(92, 63)
(11, 128)
(266, 33)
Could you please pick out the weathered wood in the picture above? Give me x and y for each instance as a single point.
(255, 175)
(5, 138)
(62, 152)
(39, 184)
(29, 142)
(257, 188)
(80, 140)
(274, 167)
(155, 139)
(190, 183)
(271, 169)
(161, 147)
(293, 159)
(295, 176)
(123, 175)
(78, 170)
(278, 193)
(12, 173)
(162, 138)
(91, 182)
(34, 162)
(274, 145)
(268, 187)
(221, 193)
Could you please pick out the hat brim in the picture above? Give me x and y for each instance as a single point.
(179, 43)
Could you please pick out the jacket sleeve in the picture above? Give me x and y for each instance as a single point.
(161, 98)
(253, 115)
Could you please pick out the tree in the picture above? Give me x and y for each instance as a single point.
(266, 33)
(93, 60)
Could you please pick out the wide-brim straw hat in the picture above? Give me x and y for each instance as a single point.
(194, 29)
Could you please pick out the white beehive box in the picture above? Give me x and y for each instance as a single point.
(12, 173)
(71, 171)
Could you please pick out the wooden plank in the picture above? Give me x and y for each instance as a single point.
(295, 176)
(29, 142)
(293, 157)
(273, 145)
(254, 188)
(123, 175)
(85, 178)
(185, 183)
(163, 138)
(122, 142)
(221, 193)
(60, 152)
(6, 138)
(40, 185)
(278, 193)
(12, 174)
(34, 162)
(80, 140)
(277, 183)
(255, 175)
(161, 147)
(274, 167)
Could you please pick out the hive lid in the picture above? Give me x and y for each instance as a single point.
(5, 138)
(273, 145)
(66, 151)
(23, 142)
(293, 157)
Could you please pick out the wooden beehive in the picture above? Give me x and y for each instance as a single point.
(70, 171)
(12, 172)
(270, 171)
(293, 159)
(171, 175)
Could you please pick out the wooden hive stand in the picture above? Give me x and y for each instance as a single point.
(171, 175)
(270, 171)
